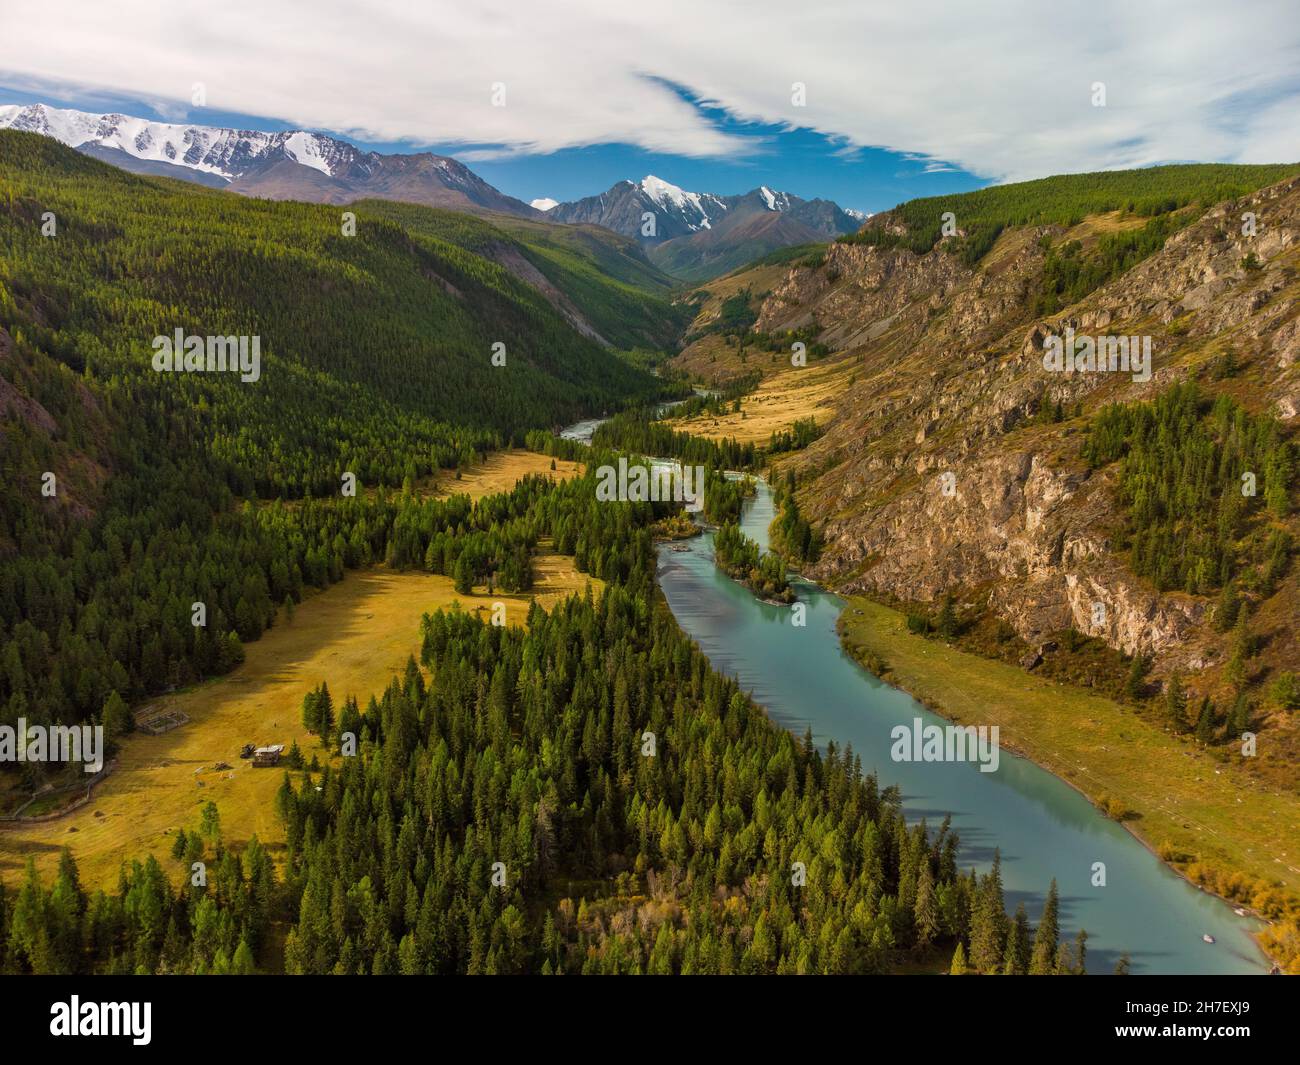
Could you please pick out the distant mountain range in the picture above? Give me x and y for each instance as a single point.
(293, 165)
(698, 235)
(691, 235)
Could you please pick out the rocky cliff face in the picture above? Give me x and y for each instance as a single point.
(934, 474)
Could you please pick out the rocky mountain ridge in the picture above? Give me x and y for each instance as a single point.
(939, 474)
(289, 165)
(697, 235)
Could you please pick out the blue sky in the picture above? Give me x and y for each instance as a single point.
(801, 161)
(895, 101)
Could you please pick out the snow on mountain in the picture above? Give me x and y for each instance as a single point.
(290, 165)
(209, 149)
(692, 207)
(545, 203)
(305, 148)
(861, 216)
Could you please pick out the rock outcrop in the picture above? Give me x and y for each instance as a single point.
(935, 473)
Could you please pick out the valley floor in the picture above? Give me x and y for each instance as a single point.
(355, 636)
(777, 403)
(500, 472)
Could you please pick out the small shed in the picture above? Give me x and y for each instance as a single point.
(268, 756)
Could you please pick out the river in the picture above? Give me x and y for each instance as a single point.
(1042, 827)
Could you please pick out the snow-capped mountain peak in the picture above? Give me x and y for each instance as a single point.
(692, 207)
(544, 203)
(305, 148)
(287, 165)
(225, 153)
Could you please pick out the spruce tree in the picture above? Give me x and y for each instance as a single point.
(1043, 958)
(326, 714)
(1135, 683)
(1205, 721)
(1176, 702)
(1015, 959)
(926, 909)
(988, 921)
(946, 623)
(116, 717)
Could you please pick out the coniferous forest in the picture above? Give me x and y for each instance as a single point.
(647, 770)
(165, 486)
(494, 790)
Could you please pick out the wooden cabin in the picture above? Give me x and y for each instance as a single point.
(268, 756)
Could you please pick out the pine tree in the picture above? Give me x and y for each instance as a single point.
(1015, 961)
(958, 967)
(926, 908)
(116, 717)
(464, 576)
(311, 710)
(1205, 721)
(988, 922)
(326, 712)
(946, 623)
(1176, 702)
(1043, 958)
(1135, 683)
(1225, 610)
(210, 823)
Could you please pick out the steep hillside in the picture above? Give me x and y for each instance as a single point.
(134, 490)
(599, 281)
(957, 464)
(733, 243)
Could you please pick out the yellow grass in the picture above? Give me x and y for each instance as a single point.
(501, 471)
(758, 279)
(355, 636)
(778, 402)
(1098, 225)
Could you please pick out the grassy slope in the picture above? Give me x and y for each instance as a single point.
(778, 402)
(1066, 199)
(605, 275)
(1179, 794)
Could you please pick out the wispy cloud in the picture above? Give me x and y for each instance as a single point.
(1003, 88)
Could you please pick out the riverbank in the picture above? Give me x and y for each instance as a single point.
(1192, 811)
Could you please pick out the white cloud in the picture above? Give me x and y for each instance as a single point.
(545, 203)
(1002, 87)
